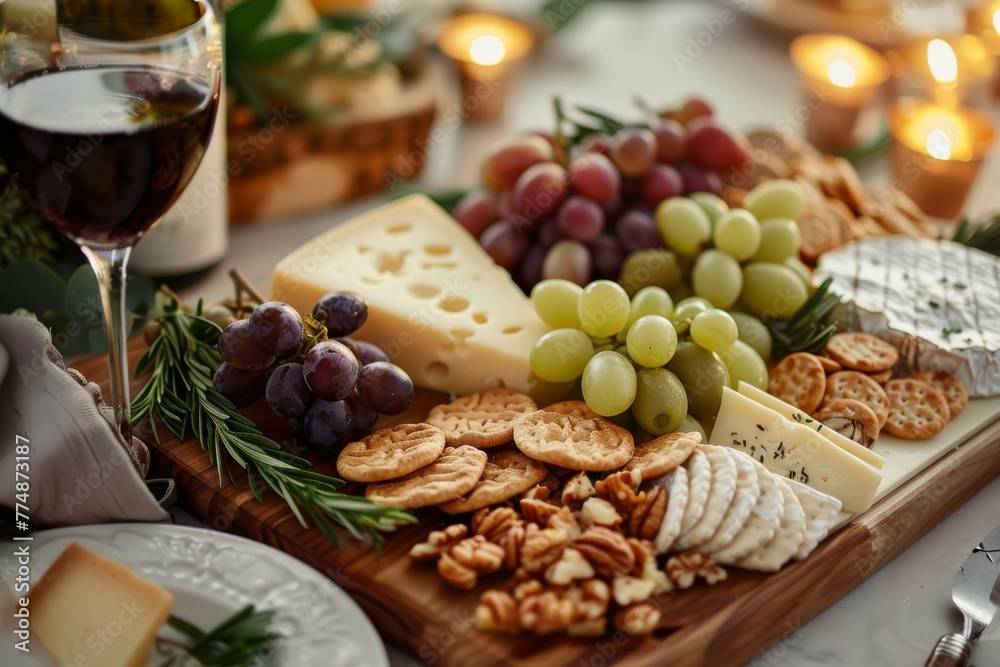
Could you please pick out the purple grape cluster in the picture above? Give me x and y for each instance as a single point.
(329, 386)
(579, 221)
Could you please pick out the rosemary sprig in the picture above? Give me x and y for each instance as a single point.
(982, 235)
(236, 641)
(182, 359)
(806, 331)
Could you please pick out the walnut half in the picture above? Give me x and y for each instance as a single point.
(683, 569)
(438, 542)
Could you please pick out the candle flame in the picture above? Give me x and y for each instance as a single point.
(841, 73)
(996, 21)
(938, 144)
(487, 50)
(942, 60)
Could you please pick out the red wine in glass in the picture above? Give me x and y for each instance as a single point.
(105, 150)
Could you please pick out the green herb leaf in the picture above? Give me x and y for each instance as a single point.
(180, 393)
(807, 330)
(244, 20)
(236, 642)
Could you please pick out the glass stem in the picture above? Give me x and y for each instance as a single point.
(109, 265)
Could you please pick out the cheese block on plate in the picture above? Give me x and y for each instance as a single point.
(88, 609)
(437, 303)
(798, 416)
(795, 451)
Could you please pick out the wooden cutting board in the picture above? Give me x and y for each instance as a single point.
(726, 624)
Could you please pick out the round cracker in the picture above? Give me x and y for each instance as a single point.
(573, 442)
(577, 408)
(828, 364)
(661, 455)
(852, 419)
(949, 385)
(390, 453)
(882, 376)
(485, 419)
(453, 474)
(862, 351)
(720, 495)
(798, 379)
(508, 473)
(859, 387)
(916, 409)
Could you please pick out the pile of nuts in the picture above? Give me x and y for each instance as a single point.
(581, 557)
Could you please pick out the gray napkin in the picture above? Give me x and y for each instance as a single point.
(81, 471)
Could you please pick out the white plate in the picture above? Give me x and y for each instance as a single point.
(213, 575)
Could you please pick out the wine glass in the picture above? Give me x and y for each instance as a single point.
(106, 108)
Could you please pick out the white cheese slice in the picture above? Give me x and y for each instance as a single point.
(762, 524)
(795, 451)
(791, 412)
(720, 496)
(437, 304)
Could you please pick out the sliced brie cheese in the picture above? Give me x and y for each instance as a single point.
(437, 303)
(795, 451)
(799, 417)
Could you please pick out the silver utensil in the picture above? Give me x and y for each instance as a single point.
(976, 593)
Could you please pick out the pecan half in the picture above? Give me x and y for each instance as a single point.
(494, 523)
(637, 619)
(542, 548)
(577, 489)
(438, 541)
(619, 489)
(683, 569)
(646, 517)
(606, 550)
(455, 574)
(477, 554)
(511, 543)
(537, 511)
(497, 612)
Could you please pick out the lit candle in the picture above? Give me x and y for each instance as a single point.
(984, 22)
(841, 77)
(484, 48)
(937, 153)
(952, 70)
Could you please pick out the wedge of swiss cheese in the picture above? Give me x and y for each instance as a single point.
(437, 303)
(795, 451)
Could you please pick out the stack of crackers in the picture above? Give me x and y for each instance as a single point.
(839, 208)
(851, 389)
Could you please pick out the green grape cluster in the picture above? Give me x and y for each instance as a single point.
(645, 361)
(746, 257)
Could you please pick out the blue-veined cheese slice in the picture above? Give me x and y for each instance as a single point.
(437, 303)
(791, 412)
(795, 451)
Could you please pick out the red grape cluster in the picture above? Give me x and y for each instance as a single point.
(328, 385)
(541, 219)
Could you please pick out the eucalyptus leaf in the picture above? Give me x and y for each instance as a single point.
(31, 285)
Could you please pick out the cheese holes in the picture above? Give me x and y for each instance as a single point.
(453, 304)
(423, 291)
(512, 330)
(437, 371)
(398, 229)
(437, 250)
(480, 318)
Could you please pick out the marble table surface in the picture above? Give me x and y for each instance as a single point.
(612, 53)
